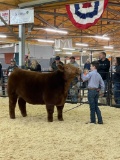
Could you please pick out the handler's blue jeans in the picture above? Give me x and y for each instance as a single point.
(93, 96)
(117, 92)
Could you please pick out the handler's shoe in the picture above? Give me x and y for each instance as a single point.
(100, 122)
(90, 123)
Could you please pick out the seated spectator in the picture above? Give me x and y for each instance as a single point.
(11, 67)
(35, 66)
(55, 64)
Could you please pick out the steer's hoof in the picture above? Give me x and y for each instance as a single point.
(50, 120)
(60, 119)
(24, 115)
(12, 117)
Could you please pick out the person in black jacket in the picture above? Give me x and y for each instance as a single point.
(116, 80)
(35, 66)
(104, 66)
(1, 73)
(11, 67)
(87, 64)
(55, 64)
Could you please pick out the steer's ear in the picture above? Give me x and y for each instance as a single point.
(61, 68)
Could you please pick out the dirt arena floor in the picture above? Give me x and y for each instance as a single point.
(33, 138)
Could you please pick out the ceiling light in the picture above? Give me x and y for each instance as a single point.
(45, 40)
(108, 47)
(102, 37)
(55, 30)
(68, 53)
(81, 44)
(57, 50)
(3, 36)
(7, 46)
(84, 51)
(70, 49)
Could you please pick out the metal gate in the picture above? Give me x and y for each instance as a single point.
(77, 92)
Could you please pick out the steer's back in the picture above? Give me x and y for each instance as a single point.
(35, 87)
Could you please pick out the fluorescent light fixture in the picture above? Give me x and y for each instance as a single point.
(57, 50)
(2, 36)
(108, 47)
(46, 41)
(81, 44)
(116, 51)
(70, 49)
(68, 53)
(102, 37)
(84, 51)
(7, 46)
(55, 30)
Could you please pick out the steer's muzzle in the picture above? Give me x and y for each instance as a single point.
(78, 71)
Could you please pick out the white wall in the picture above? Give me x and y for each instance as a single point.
(7, 50)
(40, 52)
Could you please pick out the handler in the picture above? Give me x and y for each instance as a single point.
(95, 84)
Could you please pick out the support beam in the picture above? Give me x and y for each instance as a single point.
(21, 44)
(9, 28)
(8, 4)
(43, 20)
(113, 11)
(51, 13)
(37, 3)
(114, 4)
(111, 20)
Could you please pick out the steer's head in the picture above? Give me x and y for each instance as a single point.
(69, 70)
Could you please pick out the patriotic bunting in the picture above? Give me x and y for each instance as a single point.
(85, 15)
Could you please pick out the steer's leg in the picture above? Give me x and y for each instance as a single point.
(12, 105)
(22, 106)
(60, 111)
(50, 111)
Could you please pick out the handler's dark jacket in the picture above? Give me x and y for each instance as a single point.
(103, 69)
(54, 66)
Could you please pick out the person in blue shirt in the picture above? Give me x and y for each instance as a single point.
(95, 85)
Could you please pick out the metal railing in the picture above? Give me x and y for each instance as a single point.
(77, 92)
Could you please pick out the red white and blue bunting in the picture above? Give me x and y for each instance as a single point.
(85, 15)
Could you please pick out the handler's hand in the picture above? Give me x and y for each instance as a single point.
(101, 94)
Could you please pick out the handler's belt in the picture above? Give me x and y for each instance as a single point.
(92, 88)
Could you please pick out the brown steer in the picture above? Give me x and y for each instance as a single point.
(40, 88)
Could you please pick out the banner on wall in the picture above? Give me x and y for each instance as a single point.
(85, 15)
(21, 16)
(8, 57)
(63, 43)
(5, 16)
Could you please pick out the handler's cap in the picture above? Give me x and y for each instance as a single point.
(72, 57)
(57, 58)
